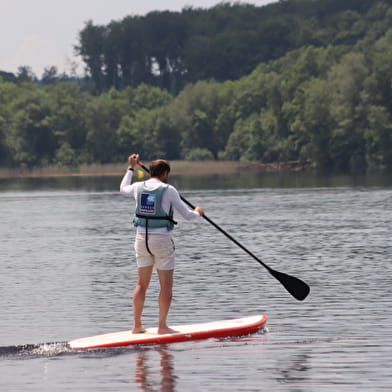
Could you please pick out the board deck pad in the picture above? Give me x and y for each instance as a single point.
(215, 329)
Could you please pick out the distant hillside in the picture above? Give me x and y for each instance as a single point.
(226, 42)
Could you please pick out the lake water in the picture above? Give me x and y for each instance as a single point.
(67, 271)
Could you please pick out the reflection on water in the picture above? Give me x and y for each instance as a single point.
(146, 374)
(215, 181)
(294, 370)
(86, 183)
(281, 180)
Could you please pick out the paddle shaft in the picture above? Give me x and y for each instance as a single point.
(296, 287)
(218, 227)
(228, 236)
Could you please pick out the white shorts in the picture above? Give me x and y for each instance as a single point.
(162, 249)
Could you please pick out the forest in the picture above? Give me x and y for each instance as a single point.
(297, 80)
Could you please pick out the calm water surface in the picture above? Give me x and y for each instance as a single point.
(67, 271)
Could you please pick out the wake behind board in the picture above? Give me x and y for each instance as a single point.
(216, 329)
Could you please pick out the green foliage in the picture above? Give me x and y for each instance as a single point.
(297, 80)
(137, 133)
(67, 156)
(246, 142)
(225, 42)
(199, 154)
(32, 141)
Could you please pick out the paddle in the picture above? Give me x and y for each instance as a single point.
(296, 287)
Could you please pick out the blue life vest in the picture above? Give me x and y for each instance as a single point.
(149, 211)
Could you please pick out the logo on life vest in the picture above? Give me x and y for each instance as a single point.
(147, 205)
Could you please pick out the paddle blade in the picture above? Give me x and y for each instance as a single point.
(296, 287)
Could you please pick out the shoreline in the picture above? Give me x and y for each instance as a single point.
(177, 168)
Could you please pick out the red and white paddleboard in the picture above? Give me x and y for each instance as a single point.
(215, 329)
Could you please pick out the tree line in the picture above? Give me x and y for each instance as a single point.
(329, 104)
(225, 42)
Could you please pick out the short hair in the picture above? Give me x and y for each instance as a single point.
(158, 167)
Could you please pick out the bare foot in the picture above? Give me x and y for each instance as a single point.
(139, 330)
(166, 330)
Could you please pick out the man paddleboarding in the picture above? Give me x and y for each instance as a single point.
(154, 245)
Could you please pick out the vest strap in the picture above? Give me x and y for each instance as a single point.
(147, 247)
(166, 217)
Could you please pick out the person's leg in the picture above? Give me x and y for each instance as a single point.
(165, 297)
(162, 246)
(139, 296)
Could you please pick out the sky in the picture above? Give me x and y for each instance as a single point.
(43, 33)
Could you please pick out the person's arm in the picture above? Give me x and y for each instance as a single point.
(181, 207)
(125, 186)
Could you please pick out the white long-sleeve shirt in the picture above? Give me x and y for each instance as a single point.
(170, 197)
